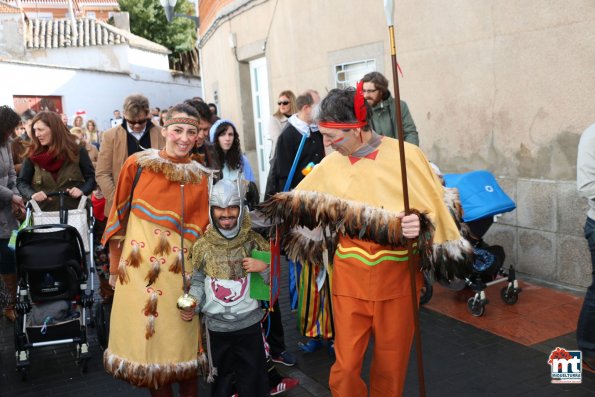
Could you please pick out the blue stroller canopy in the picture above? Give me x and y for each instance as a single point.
(480, 194)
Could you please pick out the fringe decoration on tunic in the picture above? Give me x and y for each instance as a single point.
(176, 266)
(122, 272)
(135, 257)
(150, 326)
(202, 359)
(150, 311)
(191, 172)
(151, 305)
(153, 376)
(155, 270)
(356, 220)
(163, 248)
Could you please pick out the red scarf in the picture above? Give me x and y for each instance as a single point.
(48, 162)
(98, 207)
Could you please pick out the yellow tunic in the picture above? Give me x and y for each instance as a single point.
(361, 198)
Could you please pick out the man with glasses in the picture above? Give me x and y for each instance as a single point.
(383, 106)
(136, 133)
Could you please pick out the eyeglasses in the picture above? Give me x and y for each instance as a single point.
(283, 103)
(136, 122)
(369, 91)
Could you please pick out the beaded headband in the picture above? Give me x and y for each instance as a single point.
(181, 120)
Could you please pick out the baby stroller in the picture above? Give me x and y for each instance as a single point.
(482, 199)
(52, 272)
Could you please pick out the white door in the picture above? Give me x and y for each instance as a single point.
(260, 108)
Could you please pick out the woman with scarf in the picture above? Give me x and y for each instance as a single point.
(160, 208)
(55, 162)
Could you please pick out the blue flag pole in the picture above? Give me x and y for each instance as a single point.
(295, 163)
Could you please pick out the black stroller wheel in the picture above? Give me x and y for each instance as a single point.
(475, 307)
(509, 296)
(427, 290)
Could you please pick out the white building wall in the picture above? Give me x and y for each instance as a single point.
(500, 85)
(139, 57)
(96, 92)
(112, 58)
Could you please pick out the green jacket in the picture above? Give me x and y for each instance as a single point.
(383, 118)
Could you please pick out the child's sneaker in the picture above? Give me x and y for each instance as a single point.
(311, 346)
(285, 358)
(284, 385)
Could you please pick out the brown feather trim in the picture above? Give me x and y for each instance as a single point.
(191, 172)
(356, 220)
(122, 272)
(150, 326)
(300, 245)
(311, 209)
(135, 257)
(176, 266)
(153, 376)
(155, 270)
(163, 248)
(151, 305)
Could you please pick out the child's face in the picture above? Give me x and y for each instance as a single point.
(226, 218)
(98, 194)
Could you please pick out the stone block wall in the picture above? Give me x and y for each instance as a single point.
(543, 237)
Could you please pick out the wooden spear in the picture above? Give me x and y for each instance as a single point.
(389, 8)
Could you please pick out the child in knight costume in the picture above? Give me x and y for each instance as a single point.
(148, 230)
(355, 193)
(223, 267)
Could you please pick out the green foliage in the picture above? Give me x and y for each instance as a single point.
(147, 19)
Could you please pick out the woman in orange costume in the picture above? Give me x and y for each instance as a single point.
(356, 194)
(149, 344)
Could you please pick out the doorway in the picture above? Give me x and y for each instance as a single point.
(259, 84)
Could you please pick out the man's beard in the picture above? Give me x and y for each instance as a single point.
(229, 226)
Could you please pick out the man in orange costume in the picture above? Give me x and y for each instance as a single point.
(354, 198)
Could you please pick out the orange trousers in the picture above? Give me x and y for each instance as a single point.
(391, 323)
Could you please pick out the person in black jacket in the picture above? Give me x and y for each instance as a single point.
(298, 126)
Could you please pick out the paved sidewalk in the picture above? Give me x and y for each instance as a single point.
(459, 359)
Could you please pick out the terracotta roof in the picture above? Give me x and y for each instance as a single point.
(86, 32)
(9, 8)
(64, 3)
(78, 5)
(56, 33)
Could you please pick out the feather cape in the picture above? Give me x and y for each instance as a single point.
(361, 198)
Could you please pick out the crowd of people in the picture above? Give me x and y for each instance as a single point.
(176, 201)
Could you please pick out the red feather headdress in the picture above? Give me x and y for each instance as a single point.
(359, 109)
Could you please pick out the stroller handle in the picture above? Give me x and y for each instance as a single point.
(59, 193)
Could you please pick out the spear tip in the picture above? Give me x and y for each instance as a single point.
(389, 11)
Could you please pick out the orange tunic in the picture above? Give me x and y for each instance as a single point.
(150, 345)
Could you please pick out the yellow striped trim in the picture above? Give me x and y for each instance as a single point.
(367, 254)
(371, 260)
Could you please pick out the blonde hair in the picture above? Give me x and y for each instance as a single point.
(292, 106)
